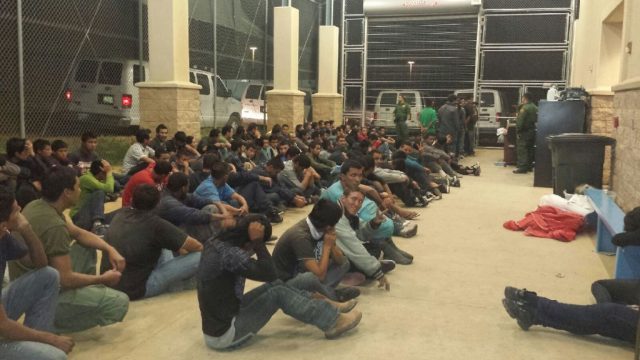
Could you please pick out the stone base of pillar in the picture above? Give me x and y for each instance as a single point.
(601, 123)
(285, 107)
(176, 105)
(327, 107)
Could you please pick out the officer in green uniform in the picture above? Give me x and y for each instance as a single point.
(401, 114)
(526, 132)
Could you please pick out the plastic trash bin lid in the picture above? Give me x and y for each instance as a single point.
(581, 138)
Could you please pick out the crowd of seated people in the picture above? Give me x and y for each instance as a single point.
(198, 215)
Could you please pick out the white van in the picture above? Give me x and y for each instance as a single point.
(491, 108)
(254, 105)
(386, 104)
(104, 88)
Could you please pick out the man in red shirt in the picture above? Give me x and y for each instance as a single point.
(156, 176)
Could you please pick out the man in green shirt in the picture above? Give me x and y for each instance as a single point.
(401, 114)
(526, 132)
(88, 213)
(428, 119)
(84, 300)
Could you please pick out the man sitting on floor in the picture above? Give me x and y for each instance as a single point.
(230, 317)
(156, 176)
(199, 217)
(306, 256)
(353, 239)
(84, 301)
(88, 213)
(147, 242)
(33, 295)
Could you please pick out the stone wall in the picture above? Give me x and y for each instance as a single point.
(327, 107)
(626, 180)
(601, 123)
(176, 107)
(285, 107)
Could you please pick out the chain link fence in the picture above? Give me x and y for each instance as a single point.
(68, 46)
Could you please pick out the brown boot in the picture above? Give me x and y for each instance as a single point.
(344, 323)
(343, 307)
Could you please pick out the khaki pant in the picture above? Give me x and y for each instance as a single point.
(89, 306)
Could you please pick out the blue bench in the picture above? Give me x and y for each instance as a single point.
(611, 222)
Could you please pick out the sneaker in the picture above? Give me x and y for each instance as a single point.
(409, 230)
(519, 312)
(445, 187)
(274, 216)
(347, 293)
(387, 265)
(344, 323)
(100, 229)
(455, 182)
(420, 202)
(520, 295)
(476, 170)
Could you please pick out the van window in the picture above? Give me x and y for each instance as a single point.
(388, 99)
(409, 98)
(263, 95)
(137, 75)
(87, 70)
(110, 73)
(253, 92)
(486, 99)
(221, 89)
(192, 78)
(203, 81)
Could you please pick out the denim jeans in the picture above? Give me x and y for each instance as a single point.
(308, 281)
(173, 273)
(255, 196)
(622, 291)
(259, 305)
(35, 295)
(460, 142)
(92, 210)
(609, 319)
(29, 350)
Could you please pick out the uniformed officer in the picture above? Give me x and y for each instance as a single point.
(401, 114)
(526, 132)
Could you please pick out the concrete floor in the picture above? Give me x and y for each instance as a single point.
(444, 306)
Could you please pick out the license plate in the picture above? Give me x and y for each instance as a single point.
(105, 99)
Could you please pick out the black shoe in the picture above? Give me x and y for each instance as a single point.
(347, 293)
(389, 252)
(519, 312)
(520, 171)
(387, 265)
(274, 216)
(455, 182)
(520, 295)
(404, 253)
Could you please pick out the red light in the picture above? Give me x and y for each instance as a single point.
(127, 101)
(68, 95)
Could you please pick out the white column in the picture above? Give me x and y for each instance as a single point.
(285, 48)
(328, 60)
(168, 41)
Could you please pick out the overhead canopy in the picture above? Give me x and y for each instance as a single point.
(420, 7)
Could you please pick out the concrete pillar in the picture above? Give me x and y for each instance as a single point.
(285, 102)
(167, 96)
(327, 103)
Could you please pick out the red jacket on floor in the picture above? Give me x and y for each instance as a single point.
(548, 222)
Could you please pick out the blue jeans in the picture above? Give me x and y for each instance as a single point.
(259, 305)
(173, 273)
(35, 295)
(92, 210)
(607, 319)
(30, 350)
(308, 281)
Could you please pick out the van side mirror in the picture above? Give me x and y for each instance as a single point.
(226, 93)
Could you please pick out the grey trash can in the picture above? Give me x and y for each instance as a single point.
(577, 159)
